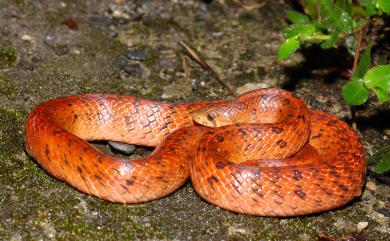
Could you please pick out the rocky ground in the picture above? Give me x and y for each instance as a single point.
(55, 48)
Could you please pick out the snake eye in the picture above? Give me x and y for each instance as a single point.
(210, 117)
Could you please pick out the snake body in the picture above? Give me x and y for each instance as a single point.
(263, 153)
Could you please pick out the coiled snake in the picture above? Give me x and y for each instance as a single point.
(263, 153)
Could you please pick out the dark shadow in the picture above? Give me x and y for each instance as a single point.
(379, 120)
(328, 64)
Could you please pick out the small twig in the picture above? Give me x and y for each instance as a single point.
(356, 59)
(357, 50)
(196, 56)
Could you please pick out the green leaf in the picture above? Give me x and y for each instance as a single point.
(365, 8)
(287, 48)
(383, 95)
(359, 11)
(364, 64)
(380, 160)
(383, 165)
(365, 3)
(298, 30)
(335, 18)
(378, 79)
(297, 17)
(354, 93)
(331, 42)
(345, 5)
(384, 5)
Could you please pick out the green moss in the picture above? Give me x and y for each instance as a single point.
(7, 57)
(139, 28)
(25, 5)
(151, 57)
(6, 86)
(10, 133)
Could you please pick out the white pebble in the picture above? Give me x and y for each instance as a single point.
(27, 37)
(362, 225)
(371, 186)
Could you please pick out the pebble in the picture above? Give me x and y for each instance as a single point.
(76, 51)
(119, 62)
(371, 186)
(113, 34)
(121, 147)
(61, 49)
(120, 14)
(27, 37)
(362, 225)
(137, 54)
(133, 70)
(235, 230)
(387, 132)
(49, 39)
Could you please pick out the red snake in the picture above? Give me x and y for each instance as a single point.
(263, 153)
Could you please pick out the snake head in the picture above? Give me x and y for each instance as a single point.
(216, 115)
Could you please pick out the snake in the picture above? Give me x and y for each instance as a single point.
(264, 153)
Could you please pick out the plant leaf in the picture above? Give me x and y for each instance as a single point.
(378, 79)
(288, 47)
(354, 93)
(299, 29)
(331, 42)
(384, 5)
(335, 18)
(383, 165)
(370, 8)
(297, 17)
(382, 95)
(345, 5)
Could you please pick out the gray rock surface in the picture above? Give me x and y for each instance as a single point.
(132, 48)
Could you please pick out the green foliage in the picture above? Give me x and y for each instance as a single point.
(380, 161)
(288, 47)
(384, 5)
(355, 93)
(383, 165)
(297, 17)
(330, 23)
(378, 79)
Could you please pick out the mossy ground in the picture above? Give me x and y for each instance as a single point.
(42, 58)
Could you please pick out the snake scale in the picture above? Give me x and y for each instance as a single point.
(264, 153)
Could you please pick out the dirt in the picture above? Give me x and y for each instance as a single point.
(55, 48)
